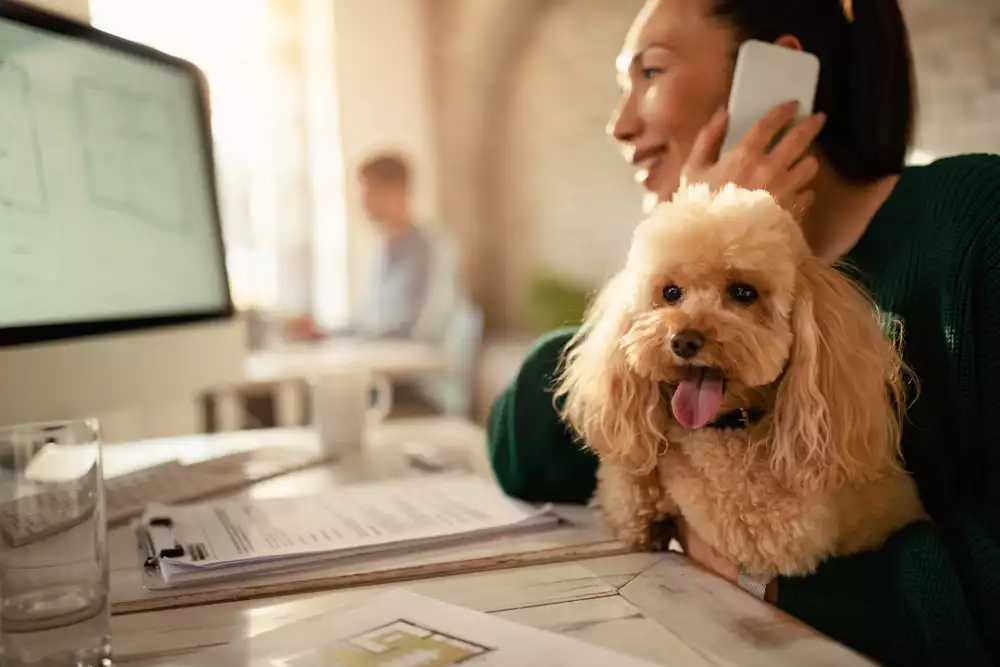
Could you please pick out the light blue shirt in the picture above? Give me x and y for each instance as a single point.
(397, 287)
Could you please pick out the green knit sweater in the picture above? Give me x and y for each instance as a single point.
(931, 595)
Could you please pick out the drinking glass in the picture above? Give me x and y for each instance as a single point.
(53, 556)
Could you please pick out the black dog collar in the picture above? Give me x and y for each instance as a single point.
(737, 419)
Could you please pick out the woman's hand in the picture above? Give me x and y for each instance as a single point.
(302, 328)
(710, 559)
(703, 554)
(786, 171)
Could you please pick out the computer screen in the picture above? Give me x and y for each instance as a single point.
(108, 214)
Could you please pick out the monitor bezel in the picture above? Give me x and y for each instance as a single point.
(40, 333)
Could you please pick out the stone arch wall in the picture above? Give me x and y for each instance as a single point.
(565, 197)
(510, 122)
(473, 44)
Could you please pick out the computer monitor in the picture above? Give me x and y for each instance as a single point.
(113, 285)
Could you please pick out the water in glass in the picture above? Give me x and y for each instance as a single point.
(53, 557)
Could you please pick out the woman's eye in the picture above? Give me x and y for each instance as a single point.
(743, 293)
(649, 72)
(672, 294)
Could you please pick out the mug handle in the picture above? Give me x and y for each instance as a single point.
(383, 398)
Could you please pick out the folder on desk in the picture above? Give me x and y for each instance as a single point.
(194, 544)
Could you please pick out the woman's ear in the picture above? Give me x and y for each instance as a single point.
(617, 413)
(841, 400)
(789, 42)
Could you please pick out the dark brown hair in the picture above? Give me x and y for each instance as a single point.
(386, 169)
(866, 84)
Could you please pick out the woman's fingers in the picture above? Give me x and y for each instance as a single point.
(800, 175)
(681, 532)
(797, 141)
(708, 143)
(763, 132)
(786, 172)
(704, 554)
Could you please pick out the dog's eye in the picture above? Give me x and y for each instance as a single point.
(672, 293)
(743, 293)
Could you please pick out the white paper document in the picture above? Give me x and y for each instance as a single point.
(402, 629)
(201, 542)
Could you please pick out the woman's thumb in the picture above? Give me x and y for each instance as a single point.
(708, 143)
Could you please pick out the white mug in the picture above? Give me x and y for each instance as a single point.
(342, 408)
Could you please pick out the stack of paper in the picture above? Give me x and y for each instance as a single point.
(404, 629)
(194, 544)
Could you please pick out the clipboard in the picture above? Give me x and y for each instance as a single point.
(156, 540)
(158, 543)
(195, 544)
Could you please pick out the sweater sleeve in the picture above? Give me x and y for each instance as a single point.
(919, 600)
(534, 454)
(931, 595)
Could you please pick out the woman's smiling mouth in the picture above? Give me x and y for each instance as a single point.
(647, 163)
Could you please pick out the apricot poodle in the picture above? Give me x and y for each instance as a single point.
(728, 375)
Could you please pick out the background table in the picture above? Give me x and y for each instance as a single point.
(396, 359)
(282, 372)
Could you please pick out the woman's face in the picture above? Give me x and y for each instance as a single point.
(675, 70)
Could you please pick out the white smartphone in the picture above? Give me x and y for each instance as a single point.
(767, 75)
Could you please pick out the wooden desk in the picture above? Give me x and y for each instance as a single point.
(582, 537)
(658, 607)
(283, 370)
(655, 606)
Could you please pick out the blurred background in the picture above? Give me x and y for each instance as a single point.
(500, 107)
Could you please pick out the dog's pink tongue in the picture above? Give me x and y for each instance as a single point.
(697, 399)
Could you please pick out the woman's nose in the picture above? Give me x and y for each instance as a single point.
(624, 124)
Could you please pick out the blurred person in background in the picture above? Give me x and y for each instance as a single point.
(397, 286)
(925, 240)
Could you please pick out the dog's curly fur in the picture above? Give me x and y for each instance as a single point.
(820, 475)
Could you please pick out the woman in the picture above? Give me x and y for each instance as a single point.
(927, 243)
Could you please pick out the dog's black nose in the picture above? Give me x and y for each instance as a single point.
(688, 343)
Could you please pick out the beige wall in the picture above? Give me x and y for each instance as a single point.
(522, 89)
(956, 46)
(567, 202)
(502, 105)
(77, 9)
(383, 101)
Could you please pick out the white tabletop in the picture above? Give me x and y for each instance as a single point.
(383, 458)
(655, 606)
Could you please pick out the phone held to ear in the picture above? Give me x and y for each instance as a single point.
(767, 75)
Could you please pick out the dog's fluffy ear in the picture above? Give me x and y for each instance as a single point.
(617, 413)
(841, 400)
